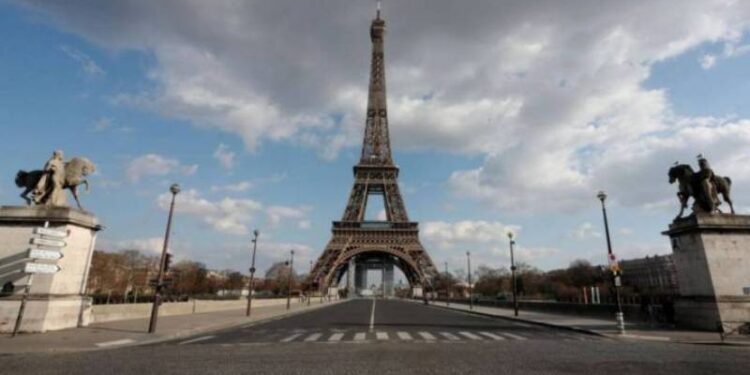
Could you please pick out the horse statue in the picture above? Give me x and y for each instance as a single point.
(76, 170)
(704, 189)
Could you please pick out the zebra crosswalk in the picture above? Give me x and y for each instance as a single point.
(428, 336)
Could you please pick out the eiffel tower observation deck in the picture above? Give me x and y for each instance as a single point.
(357, 243)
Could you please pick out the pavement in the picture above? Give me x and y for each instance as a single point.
(367, 336)
(602, 327)
(134, 331)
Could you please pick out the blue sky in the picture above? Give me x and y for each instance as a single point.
(260, 120)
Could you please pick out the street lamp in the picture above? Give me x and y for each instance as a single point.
(174, 189)
(251, 283)
(615, 275)
(513, 274)
(289, 282)
(468, 277)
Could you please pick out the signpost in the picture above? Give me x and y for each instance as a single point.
(51, 239)
(44, 254)
(47, 242)
(50, 232)
(43, 268)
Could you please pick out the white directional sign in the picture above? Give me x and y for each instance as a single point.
(46, 242)
(41, 268)
(45, 254)
(51, 232)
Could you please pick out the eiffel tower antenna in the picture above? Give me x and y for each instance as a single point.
(358, 244)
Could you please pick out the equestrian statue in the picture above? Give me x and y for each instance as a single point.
(47, 186)
(703, 186)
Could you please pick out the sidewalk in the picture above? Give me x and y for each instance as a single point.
(134, 332)
(601, 327)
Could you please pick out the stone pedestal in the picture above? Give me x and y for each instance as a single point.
(56, 301)
(712, 258)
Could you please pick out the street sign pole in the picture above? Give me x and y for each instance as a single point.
(26, 291)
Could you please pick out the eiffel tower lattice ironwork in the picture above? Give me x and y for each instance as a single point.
(375, 174)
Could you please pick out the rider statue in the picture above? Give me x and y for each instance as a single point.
(49, 190)
(707, 184)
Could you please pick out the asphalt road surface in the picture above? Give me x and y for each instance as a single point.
(392, 337)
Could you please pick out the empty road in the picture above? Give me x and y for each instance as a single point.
(368, 336)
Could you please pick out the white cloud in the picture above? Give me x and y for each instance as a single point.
(224, 156)
(227, 215)
(556, 107)
(466, 231)
(156, 165)
(382, 215)
(236, 187)
(88, 65)
(278, 213)
(585, 231)
(731, 49)
(708, 61)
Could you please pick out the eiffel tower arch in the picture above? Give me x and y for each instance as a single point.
(395, 240)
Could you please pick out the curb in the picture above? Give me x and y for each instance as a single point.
(600, 334)
(180, 334)
(513, 318)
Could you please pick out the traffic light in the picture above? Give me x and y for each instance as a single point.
(167, 261)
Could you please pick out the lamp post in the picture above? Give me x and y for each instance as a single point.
(289, 282)
(174, 189)
(615, 275)
(447, 286)
(468, 277)
(251, 283)
(513, 274)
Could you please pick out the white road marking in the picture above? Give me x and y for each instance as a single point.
(427, 336)
(513, 336)
(114, 343)
(360, 336)
(314, 337)
(449, 336)
(381, 335)
(372, 316)
(336, 337)
(292, 337)
(404, 335)
(470, 335)
(492, 336)
(196, 340)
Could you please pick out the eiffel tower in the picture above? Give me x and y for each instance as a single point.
(394, 241)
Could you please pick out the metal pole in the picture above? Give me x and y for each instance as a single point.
(174, 189)
(619, 316)
(513, 274)
(289, 283)
(251, 283)
(468, 276)
(21, 308)
(447, 286)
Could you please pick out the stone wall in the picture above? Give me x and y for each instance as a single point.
(108, 313)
